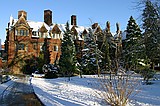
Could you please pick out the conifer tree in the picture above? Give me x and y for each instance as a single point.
(91, 55)
(151, 33)
(46, 52)
(132, 44)
(68, 59)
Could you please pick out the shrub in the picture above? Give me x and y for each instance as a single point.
(147, 74)
(51, 75)
(118, 90)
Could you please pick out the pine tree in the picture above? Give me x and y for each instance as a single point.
(68, 59)
(91, 55)
(132, 44)
(151, 33)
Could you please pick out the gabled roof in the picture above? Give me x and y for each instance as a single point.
(56, 29)
(22, 21)
(37, 25)
(43, 28)
(74, 31)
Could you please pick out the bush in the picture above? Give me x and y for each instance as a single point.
(147, 74)
(51, 75)
(117, 90)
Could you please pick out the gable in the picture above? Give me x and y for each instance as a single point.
(43, 29)
(74, 31)
(22, 23)
(98, 30)
(56, 30)
(84, 32)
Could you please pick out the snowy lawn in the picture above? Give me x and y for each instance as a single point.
(82, 92)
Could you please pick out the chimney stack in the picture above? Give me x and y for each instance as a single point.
(20, 13)
(73, 20)
(48, 17)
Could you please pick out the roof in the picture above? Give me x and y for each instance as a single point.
(37, 25)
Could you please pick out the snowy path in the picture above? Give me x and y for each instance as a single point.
(19, 93)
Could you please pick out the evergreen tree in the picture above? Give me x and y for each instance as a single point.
(91, 55)
(151, 33)
(40, 61)
(132, 44)
(46, 52)
(68, 59)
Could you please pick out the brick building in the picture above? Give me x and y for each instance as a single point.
(25, 38)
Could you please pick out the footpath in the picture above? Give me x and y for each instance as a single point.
(18, 92)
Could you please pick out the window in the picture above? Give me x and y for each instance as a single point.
(16, 32)
(53, 35)
(41, 46)
(41, 34)
(57, 36)
(55, 48)
(27, 32)
(34, 33)
(34, 46)
(20, 46)
(0, 54)
(21, 32)
(26, 48)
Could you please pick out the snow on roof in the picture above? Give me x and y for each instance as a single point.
(37, 25)
(62, 27)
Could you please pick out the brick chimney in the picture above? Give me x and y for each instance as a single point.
(22, 12)
(73, 20)
(48, 17)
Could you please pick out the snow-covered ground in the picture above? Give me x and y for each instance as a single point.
(82, 92)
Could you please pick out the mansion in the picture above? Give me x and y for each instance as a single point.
(25, 38)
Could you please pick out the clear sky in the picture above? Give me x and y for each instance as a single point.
(87, 11)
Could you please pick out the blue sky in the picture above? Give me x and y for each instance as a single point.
(87, 11)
